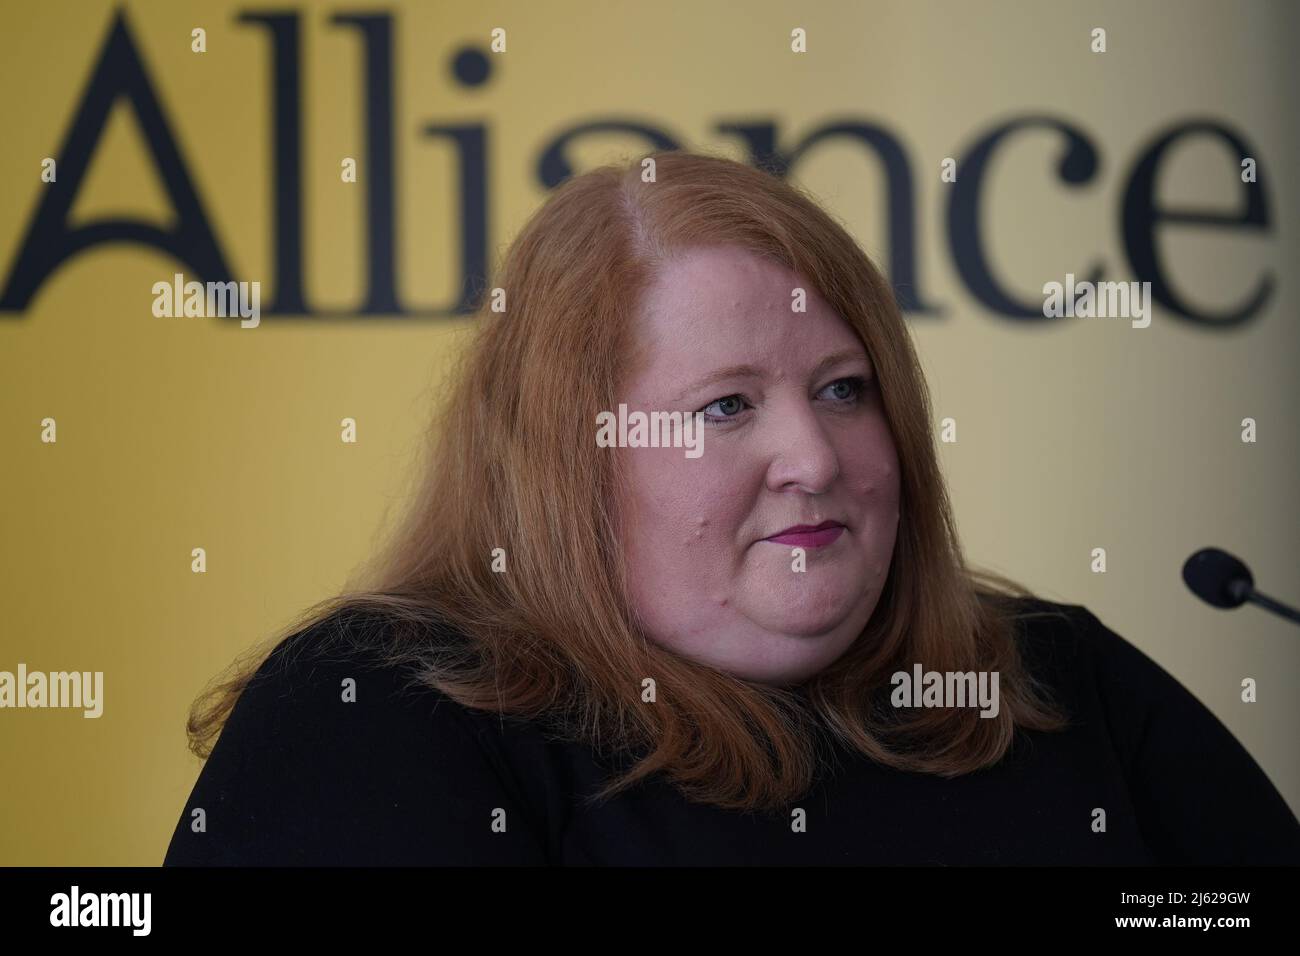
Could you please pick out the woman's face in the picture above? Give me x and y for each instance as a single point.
(797, 436)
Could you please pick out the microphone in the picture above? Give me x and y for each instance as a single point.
(1221, 579)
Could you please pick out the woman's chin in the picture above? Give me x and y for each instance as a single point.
(823, 621)
(803, 612)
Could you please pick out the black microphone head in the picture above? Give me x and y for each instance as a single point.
(1218, 578)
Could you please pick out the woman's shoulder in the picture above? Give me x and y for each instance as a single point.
(342, 671)
(1059, 640)
(1181, 763)
(1103, 674)
(1092, 671)
(336, 752)
(357, 634)
(376, 664)
(1072, 645)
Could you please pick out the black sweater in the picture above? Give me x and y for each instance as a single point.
(405, 775)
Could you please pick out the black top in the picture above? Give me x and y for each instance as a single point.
(405, 775)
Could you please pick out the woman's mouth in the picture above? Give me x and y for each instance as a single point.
(808, 536)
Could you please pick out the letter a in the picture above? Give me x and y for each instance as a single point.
(50, 241)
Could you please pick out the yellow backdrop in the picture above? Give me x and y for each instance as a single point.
(176, 433)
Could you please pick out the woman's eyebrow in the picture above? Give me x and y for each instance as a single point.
(719, 375)
(743, 371)
(845, 355)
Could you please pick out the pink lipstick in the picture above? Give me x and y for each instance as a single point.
(809, 536)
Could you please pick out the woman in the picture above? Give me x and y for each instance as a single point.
(754, 641)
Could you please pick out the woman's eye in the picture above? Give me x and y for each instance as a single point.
(728, 407)
(846, 389)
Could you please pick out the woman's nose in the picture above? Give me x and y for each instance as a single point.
(802, 455)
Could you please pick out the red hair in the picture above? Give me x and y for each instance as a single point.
(513, 465)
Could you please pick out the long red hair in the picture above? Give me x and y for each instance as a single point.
(512, 464)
